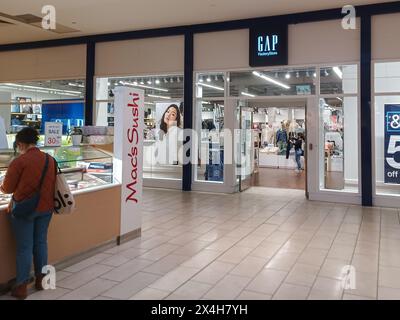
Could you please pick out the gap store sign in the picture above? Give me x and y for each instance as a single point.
(392, 143)
(268, 46)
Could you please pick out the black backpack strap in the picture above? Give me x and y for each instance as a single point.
(46, 166)
(56, 167)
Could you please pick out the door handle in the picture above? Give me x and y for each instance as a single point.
(310, 146)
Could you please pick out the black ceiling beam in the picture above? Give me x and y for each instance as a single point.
(312, 16)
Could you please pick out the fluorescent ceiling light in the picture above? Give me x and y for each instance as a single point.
(76, 85)
(135, 84)
(338, 72)
(25, 87)
(340, 99)
(263, 76)
(247, 94)
(156, 96)
(206, 102)
(210, 86)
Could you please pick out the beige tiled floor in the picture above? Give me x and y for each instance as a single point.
(261, 244)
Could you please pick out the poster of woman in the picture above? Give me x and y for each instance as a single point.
(169, 127)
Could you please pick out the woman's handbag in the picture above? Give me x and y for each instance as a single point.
(25, 208)
(64, 202)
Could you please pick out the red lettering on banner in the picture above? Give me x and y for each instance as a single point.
(133, 138)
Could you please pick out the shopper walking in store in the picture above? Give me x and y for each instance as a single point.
(298, 149)
(31, 176)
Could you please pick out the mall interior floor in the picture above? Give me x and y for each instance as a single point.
(279, 178)
(259, 244)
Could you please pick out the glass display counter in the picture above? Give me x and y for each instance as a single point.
(84, 166)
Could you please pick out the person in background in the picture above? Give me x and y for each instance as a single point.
(22, 180)
(298, 143)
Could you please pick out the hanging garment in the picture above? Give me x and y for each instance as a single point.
(281, 136)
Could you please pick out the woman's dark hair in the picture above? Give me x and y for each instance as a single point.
(163, 125)
(27, 135)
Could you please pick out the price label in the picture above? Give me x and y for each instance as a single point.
(53, 134)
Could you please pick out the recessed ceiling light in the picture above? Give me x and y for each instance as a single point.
(208, 79)
(149, 82)
(338, 72)
(287, 76)
(210, 86)
(161, 97)
(247, 94)
(263, 76)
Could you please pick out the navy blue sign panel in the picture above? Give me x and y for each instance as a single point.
(268, 45)
(392, 143)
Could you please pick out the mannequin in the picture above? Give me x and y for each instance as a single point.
(293, 126)
(281, 138)
(268, 134)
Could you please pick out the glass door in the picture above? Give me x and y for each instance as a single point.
(245, 156)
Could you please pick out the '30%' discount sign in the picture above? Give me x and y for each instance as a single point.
(53, 134)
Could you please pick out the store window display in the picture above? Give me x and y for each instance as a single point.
(32, 103)
(210, 115)
(339, 129)
(387, 115)
(340, 136)
(163, 118)
(210, 155)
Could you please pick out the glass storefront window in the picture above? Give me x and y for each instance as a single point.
(387, 158)
(210, 125)
(339, 144)
(339, 79)
(283, 82)
(210, 85)
(35, 102)
(387, 128)
(163, 120)
(387, 77)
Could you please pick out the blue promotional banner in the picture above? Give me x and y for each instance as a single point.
(392, 143)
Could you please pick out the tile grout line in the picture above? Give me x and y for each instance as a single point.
(284, 243)
(316, 231)
(237, 264)
(379, 253)
(320, 268)
(354, 250)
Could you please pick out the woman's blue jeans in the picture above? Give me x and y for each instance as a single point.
(299, 153)
(31, 238)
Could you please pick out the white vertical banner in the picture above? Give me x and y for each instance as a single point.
(128, 154)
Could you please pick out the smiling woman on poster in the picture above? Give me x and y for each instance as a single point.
(170, 134)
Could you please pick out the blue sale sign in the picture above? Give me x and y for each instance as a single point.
(392, 143)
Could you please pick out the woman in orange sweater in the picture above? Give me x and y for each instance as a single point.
(22, 180)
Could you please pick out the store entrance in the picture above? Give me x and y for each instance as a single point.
(272, 144)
